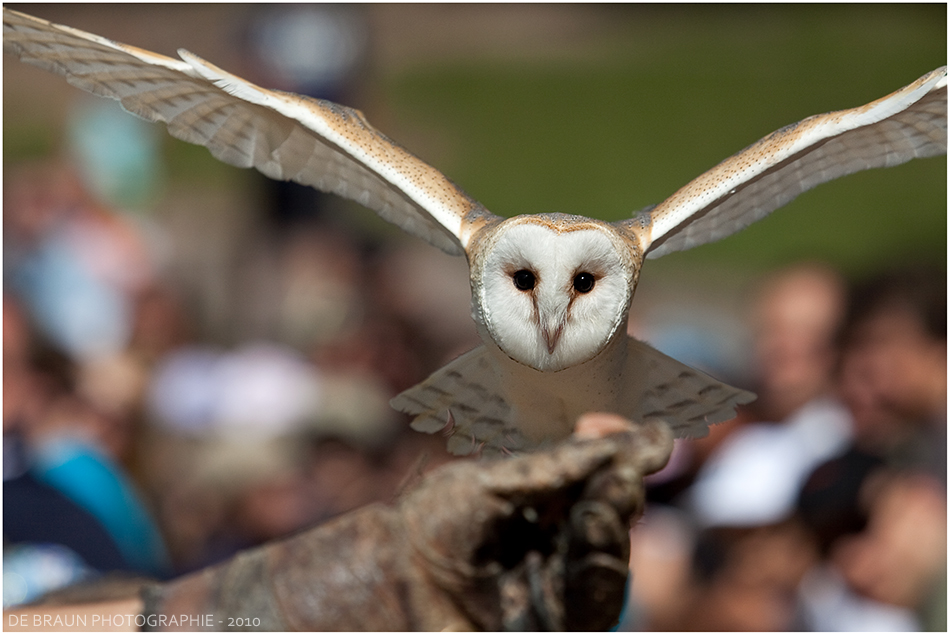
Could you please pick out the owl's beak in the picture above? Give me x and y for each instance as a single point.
(551, 332)
(552, 315)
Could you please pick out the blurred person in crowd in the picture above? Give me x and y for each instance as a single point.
(312, 50)
(77, 253)
(753, 477)
(897, 346)
(74, 266)
(34, 512)
(740, 553)
(37, 197)
(69, 450)
(73, 261)
(881, 535)
(795, 317)
(792, 319)
(878, 511)
(60, 525)
(77, 267)
(428, 323)
(322, 297)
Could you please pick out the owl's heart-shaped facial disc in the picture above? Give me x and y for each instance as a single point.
(553, 289)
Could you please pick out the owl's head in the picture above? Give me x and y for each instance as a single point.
(552, 290)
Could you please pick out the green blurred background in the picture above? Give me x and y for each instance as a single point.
(667, 93)
(591, 109)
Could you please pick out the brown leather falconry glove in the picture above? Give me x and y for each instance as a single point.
(539, 541)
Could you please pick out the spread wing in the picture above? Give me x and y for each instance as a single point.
(470, 401)
(287, 137)
(907, 124)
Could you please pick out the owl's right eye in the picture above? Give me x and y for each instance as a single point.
(524, 280)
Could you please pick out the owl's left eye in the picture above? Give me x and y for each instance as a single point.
(583, 282)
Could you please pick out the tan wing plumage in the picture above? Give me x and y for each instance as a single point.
(688, 400)
(909, 123)
(468, 400)
(287, 137)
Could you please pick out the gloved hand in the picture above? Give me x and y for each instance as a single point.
(538, 541)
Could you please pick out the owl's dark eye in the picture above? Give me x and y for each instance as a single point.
(583, 282)
(524, 280)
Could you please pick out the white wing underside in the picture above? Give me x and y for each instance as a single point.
(910, 123)
(287, 137)
(467, 401)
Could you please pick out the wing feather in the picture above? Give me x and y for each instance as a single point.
(469, 401)
(910, 123)
(285, 136)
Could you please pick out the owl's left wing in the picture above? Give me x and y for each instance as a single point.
(909, 123)
(287, 137)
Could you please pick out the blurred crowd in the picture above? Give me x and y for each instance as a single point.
(134, 440)
(823, 505)
(141, 437)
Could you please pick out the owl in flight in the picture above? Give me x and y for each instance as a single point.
(550, 292)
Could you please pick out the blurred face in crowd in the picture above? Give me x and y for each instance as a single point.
(893, 378)
(794, 321)
(903, 366)
(897, 559)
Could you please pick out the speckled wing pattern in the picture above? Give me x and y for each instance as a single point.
(909, 123)
(465, 400)
(287, 137)
(688, 400)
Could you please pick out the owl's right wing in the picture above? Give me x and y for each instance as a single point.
(285, 136)
(909, 123)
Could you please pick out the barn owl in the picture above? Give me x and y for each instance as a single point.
(550, 292)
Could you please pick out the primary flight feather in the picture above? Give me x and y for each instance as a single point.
(550, 292)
